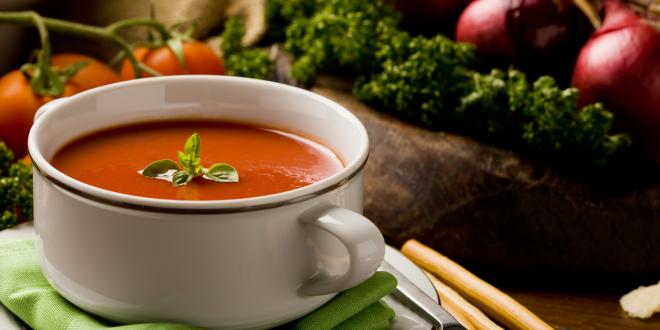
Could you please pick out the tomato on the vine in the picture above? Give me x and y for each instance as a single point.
(199, 59)
(19, 102)
(94, 74)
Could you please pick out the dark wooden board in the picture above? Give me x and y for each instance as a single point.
(574, 311)
(504, 216)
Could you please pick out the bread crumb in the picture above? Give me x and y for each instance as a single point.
(642, 302)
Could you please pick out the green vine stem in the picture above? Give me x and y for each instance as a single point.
(43, 34)
(44, 80)
(108, 33)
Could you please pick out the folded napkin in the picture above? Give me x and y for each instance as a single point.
(356, 308)
(27, 294)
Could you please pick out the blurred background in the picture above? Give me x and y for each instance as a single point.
(208, 15)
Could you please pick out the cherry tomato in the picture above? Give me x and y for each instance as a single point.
(199, 58)
(94, 74)
(18, 104)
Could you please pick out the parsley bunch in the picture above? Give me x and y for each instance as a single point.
(15, 189)
(418, 79)
(280, 13)
(239, 61)
(340, 34)
(541, 117)
(432, 81)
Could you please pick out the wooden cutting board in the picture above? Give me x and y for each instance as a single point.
(490, 208)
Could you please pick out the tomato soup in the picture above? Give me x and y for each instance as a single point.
(268, 161)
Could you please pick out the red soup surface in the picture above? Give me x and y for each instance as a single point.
(268, 161)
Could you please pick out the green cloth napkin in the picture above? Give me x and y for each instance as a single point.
(357, 308)
(27, 294)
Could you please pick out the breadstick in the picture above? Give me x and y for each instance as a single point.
(468, 315)
(486, 297)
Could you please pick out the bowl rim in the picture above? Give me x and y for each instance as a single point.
(43, 167)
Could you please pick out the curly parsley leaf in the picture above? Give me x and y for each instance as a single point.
(15, 189)
(239, 61)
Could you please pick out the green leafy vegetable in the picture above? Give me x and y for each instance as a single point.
(542, 117)
(192, 163)
(481, 109)
(341, 34)
(161, 169)
(280, 13)
(15, 189)
(6, 159)
(191, 166)
(222, 172)
(420, 78)
(193, 146)
(252, 63)
(182, 177)
(232, 36)
(431, 81)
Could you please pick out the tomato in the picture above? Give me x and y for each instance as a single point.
(199, 57)
(18, 104)
(94, 74)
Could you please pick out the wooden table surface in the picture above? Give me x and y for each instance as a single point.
(580, 310)
(562, 310)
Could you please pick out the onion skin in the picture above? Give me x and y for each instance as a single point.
(542, 25)
(484, 24)
(620, 66)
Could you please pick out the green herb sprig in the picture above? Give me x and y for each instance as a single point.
(15, 189)
(433, 81)
(239, 61)
(189, 167)
(546, 119)
(341, 35)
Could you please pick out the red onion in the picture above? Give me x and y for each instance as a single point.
(620, 66)
(539, 35)
(484, 24)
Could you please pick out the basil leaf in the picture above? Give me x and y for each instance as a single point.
(222, 172)
(192, 167)
(160, 169)
(198, 169)
(185, 160)
(181, 177)
(193, 146)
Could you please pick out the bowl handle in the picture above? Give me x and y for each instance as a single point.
(363, 240)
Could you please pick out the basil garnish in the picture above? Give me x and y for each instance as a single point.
(221, 172)
(160, 169)
(191, 167)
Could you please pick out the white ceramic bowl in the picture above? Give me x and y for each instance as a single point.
(244, 263)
